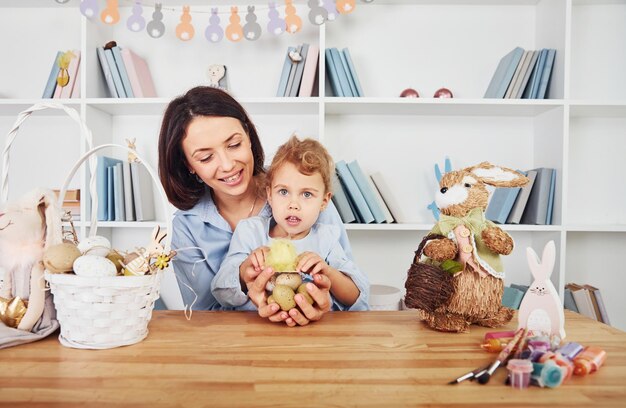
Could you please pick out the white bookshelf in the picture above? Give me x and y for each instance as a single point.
(422, 44)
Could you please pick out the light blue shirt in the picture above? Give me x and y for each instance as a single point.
(203, 226)
(252, 233)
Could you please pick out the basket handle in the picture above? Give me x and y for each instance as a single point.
(420, 248)
(72, 113)
(94, 196)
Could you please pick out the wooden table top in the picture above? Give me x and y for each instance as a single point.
(377, 359)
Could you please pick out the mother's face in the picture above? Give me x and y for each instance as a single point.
(218, 150)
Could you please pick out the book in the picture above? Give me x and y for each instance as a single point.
(106, 71)
(129, 205)
(142, 192)
(355, 78)
(521, 288)
(515, 215)
(119, 63)
(292, 72)
(110, 194)
(332, 75)
(103, 163)
(310, 71)
(504, 74)
(51, 84)
(361, 181)
(118, 193)
(583, 300)
(534, 75)
(115, 73)
(541, 62)
(341, 73)
(568, 300)
(501, 204)
(354, 193)
(527, 72)
(139, 74)
(512, 297)
(346, 68)
(284, 75)
(297, 79)
(536, 209)
(72, 70)
(340, 199)
(542, 92)
(551, 198)
(516, 75)
(598, 303)
(388, 197)
(381, 202)
(76, 87)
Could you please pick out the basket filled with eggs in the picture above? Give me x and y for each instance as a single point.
(103, 296)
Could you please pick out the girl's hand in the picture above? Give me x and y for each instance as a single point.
(311, 263)
(253, 265)
(320, 292)
(256, 293)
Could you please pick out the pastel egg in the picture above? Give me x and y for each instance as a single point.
(96, 245)
(293, 280)
(92, 266)
(60, 258)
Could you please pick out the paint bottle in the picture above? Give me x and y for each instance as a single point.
(589, 361)
(547, 374)
(519, 372)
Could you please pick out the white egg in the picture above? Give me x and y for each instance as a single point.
(96, 245)
(92, 266)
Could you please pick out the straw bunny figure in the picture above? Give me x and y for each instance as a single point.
(541, 309)
(138, 262)
(475, 244)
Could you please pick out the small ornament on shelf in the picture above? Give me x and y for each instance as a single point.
(443, 93)
(217, 76)
(132, 156)
(409, 93)
(63, 78)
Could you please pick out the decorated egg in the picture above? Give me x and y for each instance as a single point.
(96, 245)
(60, 258)
(92, 266)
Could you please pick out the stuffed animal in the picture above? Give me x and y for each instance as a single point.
(27, 228)
(472, 243)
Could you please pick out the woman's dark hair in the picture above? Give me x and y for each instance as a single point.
(182, 188)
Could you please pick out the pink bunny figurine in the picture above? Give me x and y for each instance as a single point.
(541, 308)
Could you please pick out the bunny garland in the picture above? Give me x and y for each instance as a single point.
(541, 309)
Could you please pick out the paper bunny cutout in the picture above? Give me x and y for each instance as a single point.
(541, 308)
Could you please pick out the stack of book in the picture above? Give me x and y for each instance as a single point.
(341, 73)
(531, 204)
(72, 88)
(361, 199)
(522, 74)
(127, 75)
(586, 300)
(124, 191)
(299, 74)
(71, 203)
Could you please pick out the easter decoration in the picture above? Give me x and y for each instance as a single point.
(457, 277)
(286, 282)
(541, 309)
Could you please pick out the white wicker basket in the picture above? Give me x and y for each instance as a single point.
(99, 312)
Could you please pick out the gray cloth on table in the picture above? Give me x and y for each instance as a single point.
(45, 326)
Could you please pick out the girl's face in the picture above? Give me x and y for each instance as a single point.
(296, 201)
(218, 150)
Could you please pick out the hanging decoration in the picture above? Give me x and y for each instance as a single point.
(136, 22)
(318, 14)
(276, 24)
(345, 6)
(331, 8)
(156, 28)
(89, 8)
(252, 29)
(111, 14)
(293, 23)
(184, 30)
(214, 33)
(234, 31)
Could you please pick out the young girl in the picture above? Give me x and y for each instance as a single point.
(299, 188)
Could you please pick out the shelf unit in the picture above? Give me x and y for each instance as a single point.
(423, 44)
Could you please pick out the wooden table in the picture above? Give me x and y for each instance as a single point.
(377, 359)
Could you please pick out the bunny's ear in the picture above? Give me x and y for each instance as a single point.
(548, 258)
(497, 176)
(533, 262)
(52, 219)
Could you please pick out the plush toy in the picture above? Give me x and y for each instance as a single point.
(468, 247)
(27, 228)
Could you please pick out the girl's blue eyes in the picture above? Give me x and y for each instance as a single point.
(283, 192)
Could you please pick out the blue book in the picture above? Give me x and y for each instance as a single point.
(106, 71)
(340, 199)
(284, 75)
(536, 209)
(117, 79)
(546, 74)
(355, 195)
(102, 165)
(568, 300)
(343, 77)
(346, 69)
(501, 203)
(299, 67)
(512, 297)
(355, 78)
(119, 62)
(110, 194)
(48, 92)
(535, 75)
(332, 74)
(541, 63)
(366, 189)
(504, 74)
(551, 198)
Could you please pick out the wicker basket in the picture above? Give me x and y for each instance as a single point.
(100, 312)
(427, 286)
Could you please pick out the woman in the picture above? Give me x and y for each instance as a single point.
(211, 167)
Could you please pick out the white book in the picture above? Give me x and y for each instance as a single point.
(394, 206)
(129, 203)
(516, 76)
(118, 192)
(142, 192)
(381, 202)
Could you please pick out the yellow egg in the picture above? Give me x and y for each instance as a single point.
(293, 280)
(302, 290)
(60, 258)
(283, 295)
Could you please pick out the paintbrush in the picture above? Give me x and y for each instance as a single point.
(504, 354)
(469, 376)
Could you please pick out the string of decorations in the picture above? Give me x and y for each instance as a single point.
(320, 11)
